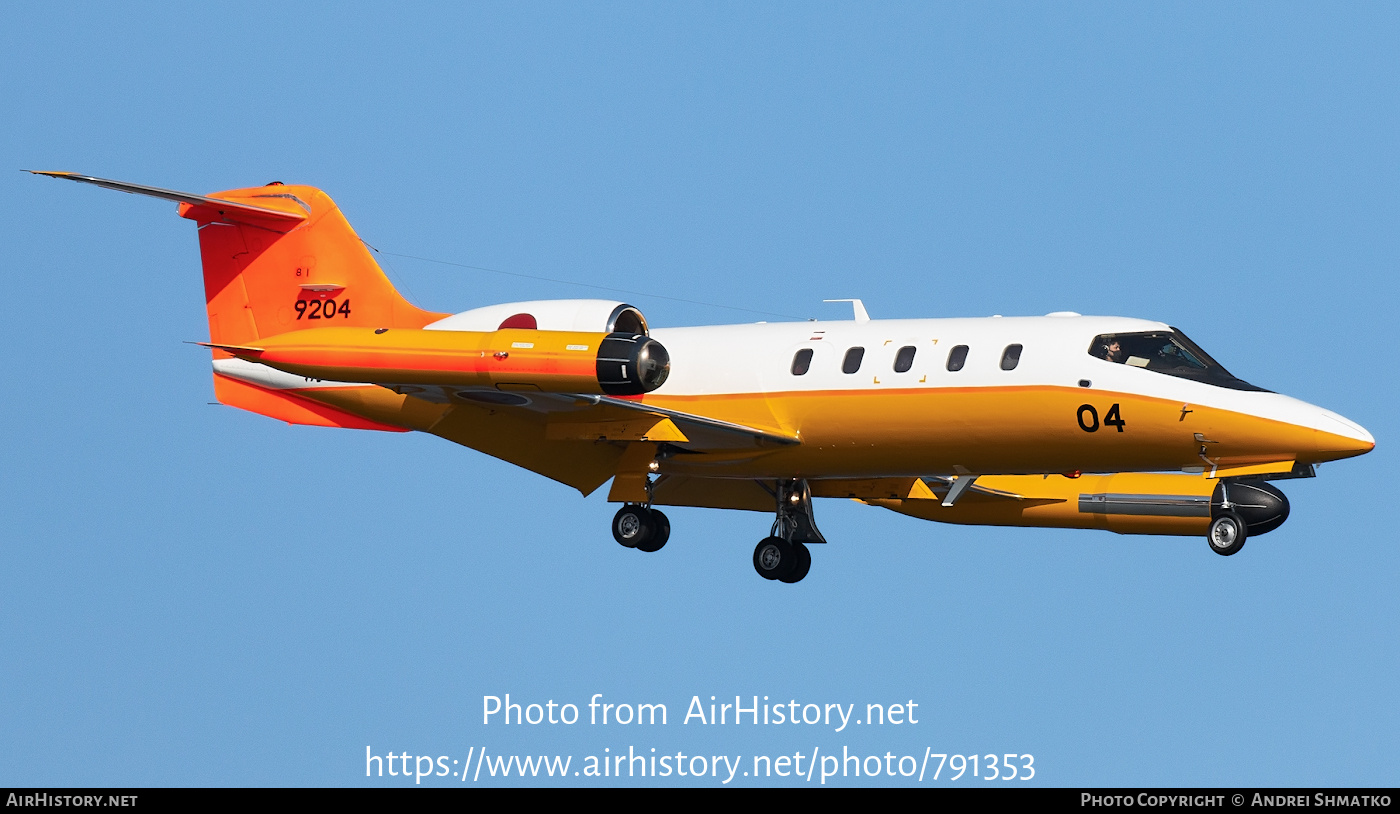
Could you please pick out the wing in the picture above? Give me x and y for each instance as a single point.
(578, 440)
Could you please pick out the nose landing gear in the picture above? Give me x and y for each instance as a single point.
(783, 555)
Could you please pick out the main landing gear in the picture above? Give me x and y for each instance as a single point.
(641, 527)
(783, 555)
(776, 558)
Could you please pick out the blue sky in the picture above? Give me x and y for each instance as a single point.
(194, 595)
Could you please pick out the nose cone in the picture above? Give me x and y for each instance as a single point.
(1339, 437)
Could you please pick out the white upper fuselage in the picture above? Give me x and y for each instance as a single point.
(758, 358)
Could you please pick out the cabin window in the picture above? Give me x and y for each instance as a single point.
(957, 357)
(1010, 357)
(802, 362)
(904, 359)
(852, 361)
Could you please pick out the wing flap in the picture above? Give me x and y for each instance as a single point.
(712, 493)
(703, 432)
(874, 488)
(641, 428)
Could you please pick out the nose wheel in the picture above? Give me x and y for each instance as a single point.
(1226, 534)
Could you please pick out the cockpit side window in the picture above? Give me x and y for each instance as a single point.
(1168, 352)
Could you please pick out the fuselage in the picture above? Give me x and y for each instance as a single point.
(1057, 409)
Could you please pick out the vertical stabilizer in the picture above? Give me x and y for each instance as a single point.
(263, 279)
(280, 258)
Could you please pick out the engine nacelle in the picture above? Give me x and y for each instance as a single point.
(604, 316)
(618, 364)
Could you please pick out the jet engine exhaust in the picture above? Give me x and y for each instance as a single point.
(631, 364)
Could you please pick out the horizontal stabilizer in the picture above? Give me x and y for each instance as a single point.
(289, 407)
(236, 350)
(205, 208)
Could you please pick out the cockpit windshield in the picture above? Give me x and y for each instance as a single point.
(1168, 352)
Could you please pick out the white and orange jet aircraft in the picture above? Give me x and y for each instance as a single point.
(1056, 421)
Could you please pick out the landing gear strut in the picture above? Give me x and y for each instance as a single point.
(783, 555)
(1227, 528)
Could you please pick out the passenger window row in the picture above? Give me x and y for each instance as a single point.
(903, 360)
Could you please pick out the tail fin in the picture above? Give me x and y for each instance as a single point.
(279, 258)
(261, 281)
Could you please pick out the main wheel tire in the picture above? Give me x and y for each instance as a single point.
(801, 565)
(660, 534)
(773, 558)
(633, 526)
(1226, 534)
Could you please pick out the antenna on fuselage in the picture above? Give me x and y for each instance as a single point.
(858, 307)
